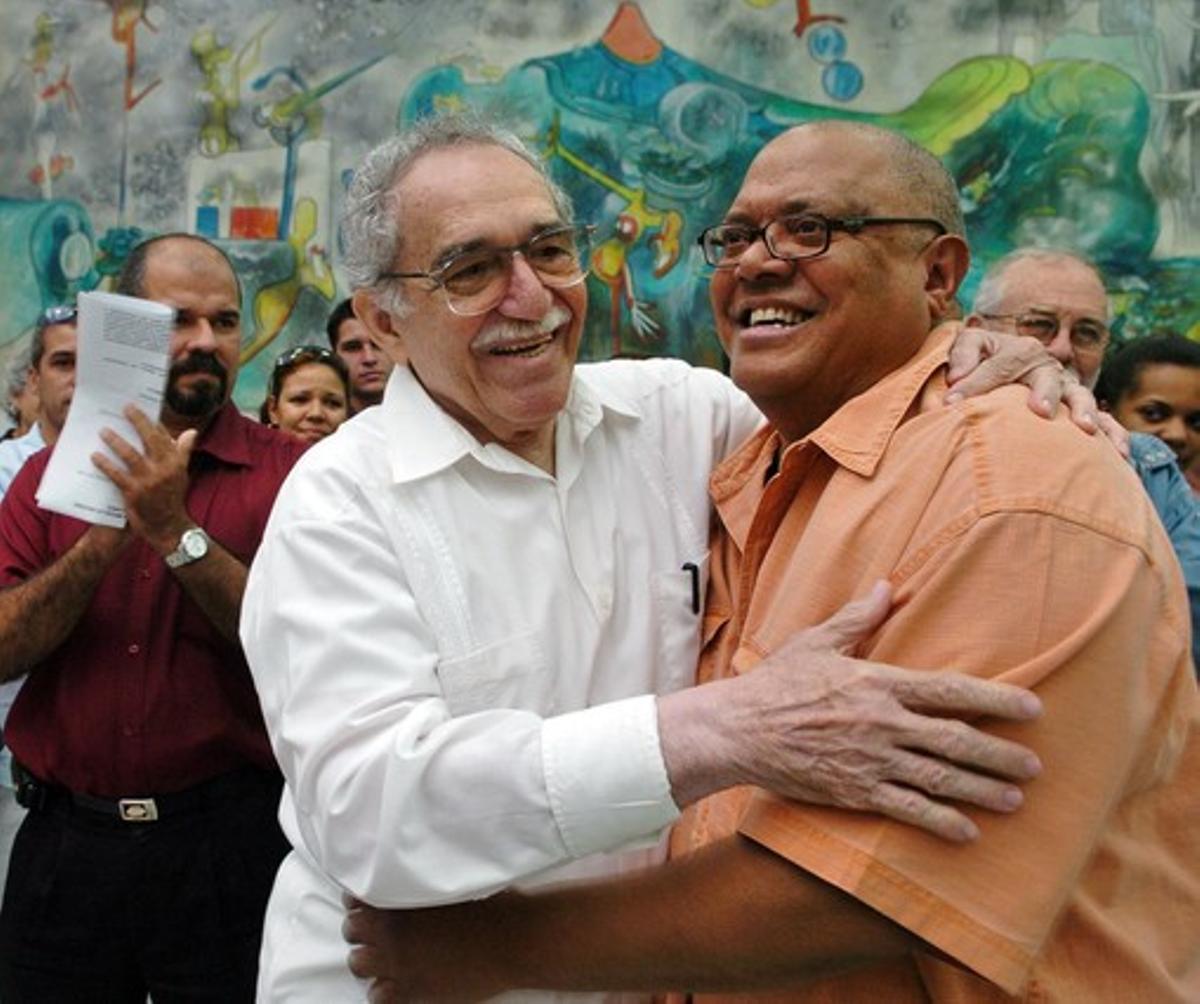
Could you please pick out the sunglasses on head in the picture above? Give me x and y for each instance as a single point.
(59, 313)
(287, 361)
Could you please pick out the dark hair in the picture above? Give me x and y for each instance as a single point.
(342, 312)
(1122, 370)
(131, 280)
(291, 360)
(65, 313)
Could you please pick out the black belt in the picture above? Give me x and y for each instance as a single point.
(42, 796)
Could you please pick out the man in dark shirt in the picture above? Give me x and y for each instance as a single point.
(144, 864)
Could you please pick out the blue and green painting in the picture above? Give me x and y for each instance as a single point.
(652, 145)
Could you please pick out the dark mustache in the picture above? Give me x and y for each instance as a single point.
(199, 362)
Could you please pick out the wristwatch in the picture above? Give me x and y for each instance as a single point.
(192, 546)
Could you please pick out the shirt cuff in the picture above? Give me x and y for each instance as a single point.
(605, 775)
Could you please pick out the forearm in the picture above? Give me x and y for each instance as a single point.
(733, 917)
(216, 584)
(38, 615)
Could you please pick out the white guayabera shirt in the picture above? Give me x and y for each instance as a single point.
(453, 650)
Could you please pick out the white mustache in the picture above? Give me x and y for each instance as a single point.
(511, 332)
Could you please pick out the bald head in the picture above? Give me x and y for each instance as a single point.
(841, 250)
(131, 280)
(196, 279)
(913, 175)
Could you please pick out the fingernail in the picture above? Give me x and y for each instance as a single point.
(1012, 798)
(1031, 705)
(1033, 766)
(968, 830)
(953, 397)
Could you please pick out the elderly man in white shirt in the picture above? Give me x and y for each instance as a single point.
(475, 614)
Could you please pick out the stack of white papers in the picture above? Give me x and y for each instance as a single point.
(122, 358)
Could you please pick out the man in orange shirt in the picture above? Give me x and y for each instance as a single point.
(1015, 548)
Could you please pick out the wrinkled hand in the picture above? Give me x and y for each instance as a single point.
(982, 360)
(450, 953)
(153, 482)
(824, 728)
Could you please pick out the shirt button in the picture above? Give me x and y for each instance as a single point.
(128, 730)
(135, 648)
(145, 573)
(604, 601)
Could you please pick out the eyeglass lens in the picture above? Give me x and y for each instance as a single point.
(1043, 327)
(475, 281)
(800, 236)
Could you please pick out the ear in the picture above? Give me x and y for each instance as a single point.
(272, 411)
(946, 262)
(378, 323)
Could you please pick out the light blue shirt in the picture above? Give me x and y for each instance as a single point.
(1179, 511)
(14, 453)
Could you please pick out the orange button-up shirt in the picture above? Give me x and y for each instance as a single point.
(1018, 549)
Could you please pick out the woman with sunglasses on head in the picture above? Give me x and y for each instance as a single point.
(309, 393)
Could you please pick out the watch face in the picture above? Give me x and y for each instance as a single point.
(193, 544)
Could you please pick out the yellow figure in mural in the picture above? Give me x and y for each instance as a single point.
(221, 92)
(610, 259)
(273, 304)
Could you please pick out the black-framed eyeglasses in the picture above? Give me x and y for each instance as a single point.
(1087, 334)
(475, 280)
(58, 313)
(800, 235)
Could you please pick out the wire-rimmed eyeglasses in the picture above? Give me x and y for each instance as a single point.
(475, 280)
(800, 235)
(1087, 334)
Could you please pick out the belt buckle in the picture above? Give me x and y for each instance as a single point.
(137, 810)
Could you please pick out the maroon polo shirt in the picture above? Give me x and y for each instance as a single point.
(145, 697)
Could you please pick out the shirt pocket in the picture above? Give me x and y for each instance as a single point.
(510, 673)
(679, 608)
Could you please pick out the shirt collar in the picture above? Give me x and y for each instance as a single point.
(225, 438)
(855, 436)
(423, 439)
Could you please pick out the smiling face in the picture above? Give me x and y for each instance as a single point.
(311, 402)
(1165, 402)
(505, 374)
(806, 336)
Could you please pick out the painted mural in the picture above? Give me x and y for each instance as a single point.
(1072, 123)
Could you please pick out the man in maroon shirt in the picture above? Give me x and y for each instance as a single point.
(144, 864)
